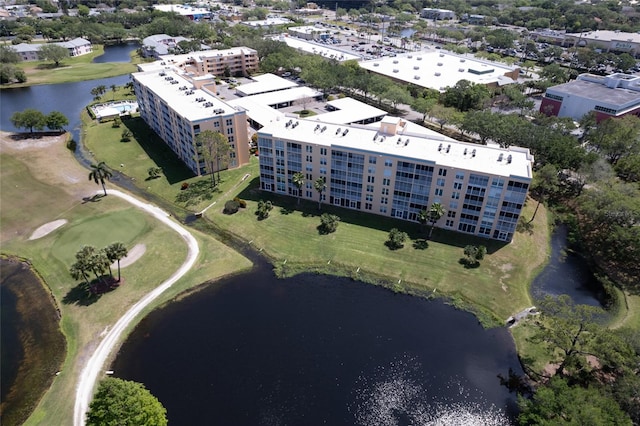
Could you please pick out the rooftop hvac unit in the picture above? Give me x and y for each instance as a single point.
(315, 129)
(465, 151)
(416, 77)
(442, 55)
(376, 64)
(399, 141)
(416, 67)
(448, 148)
(440, 148)
(395, 61)
(462, 60)
(162, 74)
(460, 69)
(410, 56)
(439, 64)
(500, 157)
(509, 158)
(419, 58)
(437, 74)
(473, 153)
(406, 142)
(338, 131)
(174, 82)
(345, 132)
(321, 130)
(395, 70)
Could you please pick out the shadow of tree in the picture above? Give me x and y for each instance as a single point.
(286, 211)
(93, 199)
(468, 264)
(80, 295)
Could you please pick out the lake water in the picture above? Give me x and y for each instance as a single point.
(117, 53)
(312, 350)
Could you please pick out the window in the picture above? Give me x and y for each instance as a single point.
(457, 185)
(383, 209)
(459, 176)
(449, 223)
(455, 195)
(453, 205)
(229, 122)
(385, 191)
(309, 168)
(323, 160)
(323, 151)
(372, 159)
(309, 158)
(384, 200)
(369, 197)
(371, 170)
(388, 163)
(216, 124)
(369, 188)
(386, 182)
(451, 214)
(323, 170)
(309, 149)
(442, 172)
(230, 131)
(438, 192)
(371, 179)
(368, 206)
(440, 182)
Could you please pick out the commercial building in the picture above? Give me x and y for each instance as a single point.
(178, 108)
(608, 41)
(438, 69)
(611, 96)
(390, 169)
(193, 13)
(441, 14)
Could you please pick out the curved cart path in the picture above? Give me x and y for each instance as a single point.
(92, 370)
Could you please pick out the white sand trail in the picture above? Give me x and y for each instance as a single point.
(47, 228)
(134, 254)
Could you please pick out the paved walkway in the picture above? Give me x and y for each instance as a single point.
(95, 365)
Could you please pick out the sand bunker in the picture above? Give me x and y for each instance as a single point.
(47, 228)
(134, 254)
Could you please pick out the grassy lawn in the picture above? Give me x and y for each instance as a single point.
(78, 68)
(28, 186)
(494, 291)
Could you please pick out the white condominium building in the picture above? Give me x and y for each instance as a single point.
(178, 110)
(390, 169)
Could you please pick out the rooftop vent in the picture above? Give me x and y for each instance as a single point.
(440, 148)
(406, 142)
(500, 157)
(465, 151)
(419, 58)
(296, 124)
(473, 153)
(448, 148)
(376, 64)
(321, 130)
(410, 56)
(395, 70)
(174, 82)
(345, 132)
(442, 55)
(439, 64)
(315, 128)
(462, 60)
(399, 141)
(183, 87)
(437, 74)
(460, 69)
(509, 158)
(162, 74)
(338, 131)
(416, 67)
(416, 77)
(395, 61)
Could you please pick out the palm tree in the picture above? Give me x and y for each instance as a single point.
(99, 173)
(423, 218)
(436, 211)
(320, 185)
(298, 180)
(115, 252)
(114, 88)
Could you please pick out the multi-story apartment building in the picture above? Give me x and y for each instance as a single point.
(238, 61)
(387, 169)
(177, 111)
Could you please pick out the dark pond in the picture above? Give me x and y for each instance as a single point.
(116, 53)
(32, 346)
(311, 350)
(566, 273)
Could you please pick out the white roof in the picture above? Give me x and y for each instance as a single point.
(411, 146)
(181, 9)
(183, 102)
(264, 83)
(437, 69)
(257, 111)
(608, 35)
(267, 22)
(349, 110)
(287, 95)
(315, 48)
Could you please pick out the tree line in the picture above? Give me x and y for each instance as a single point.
(33, 119)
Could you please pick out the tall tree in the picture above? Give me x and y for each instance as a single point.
(29, 119)
(320, 185)
(298, 180)
(56, 120)
(99, 173)
(53, 52)
(215, 151)
(120, 402)
(116, 252)
(545, 182)
(436, 211)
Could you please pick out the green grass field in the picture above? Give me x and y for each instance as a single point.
(30, 198)
(78, 68)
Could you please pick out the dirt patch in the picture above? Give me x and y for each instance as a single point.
(134, 254)
(47, 228)
(44, 156)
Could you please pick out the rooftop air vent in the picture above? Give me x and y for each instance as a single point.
(321, 130)
(399, 141)
(410, 56)
(448, 148)
(473, 153)
(338, 131)
(376, 64)
(315, 129)
(174, 82)
(460, 69)
(439, 64)
(395, 61)
(465, 151)
(406, 142)
(416, 67)
(395, 70)
(440, 148)
(500, 157)
(345, 132)
(509, 158)
(419, 58)
(442, 55)
(437, 74)
(416, 77)
(462, 60)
